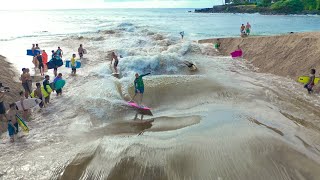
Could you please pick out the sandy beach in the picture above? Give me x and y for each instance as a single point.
(291, 55)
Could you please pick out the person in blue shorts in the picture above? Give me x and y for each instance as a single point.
(13, 127)
(139, 86)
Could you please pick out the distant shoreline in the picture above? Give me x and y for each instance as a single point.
(251, 9)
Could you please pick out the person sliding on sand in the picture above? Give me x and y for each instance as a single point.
(139, 86)
(116, 61)
(190, 65)
(310, 84)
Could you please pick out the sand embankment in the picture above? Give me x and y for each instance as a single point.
(289, 55)
(8, 79)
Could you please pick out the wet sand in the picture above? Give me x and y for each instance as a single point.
(291, 55)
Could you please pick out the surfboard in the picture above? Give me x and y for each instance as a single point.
(22, 124)
(305, 79)
(28, 103)
(141, 109)
(68, 64)
(53, 63)
(36, 51)
(59, 84)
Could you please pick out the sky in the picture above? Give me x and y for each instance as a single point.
(76, 4)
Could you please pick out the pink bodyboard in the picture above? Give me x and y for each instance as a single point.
(237, 53)
(135, 105)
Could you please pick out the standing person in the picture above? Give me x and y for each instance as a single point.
(80, 51)
(116, 61)
(248, 28)
(54, 58)
(182, 34)
(59, 52)
(139, 86)
(33, 48)
(24, 111)
(217, 44)
(41, 66)
(24, 82)
(28, 78)
(45, 83)
(73, 65)
(38, 94)
(13, 127)
(35, 62)
(59, 77)
(2, 109)
(242, 29)
(310, 84)
(37, 47)
(45, 59)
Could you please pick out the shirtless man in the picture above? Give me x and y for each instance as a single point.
(80, 51)
(37, 47)
(116, 61)
(28, 78)
(12, 122)
(242, 29)
(24, 82)
(248, 28)
(33, 48)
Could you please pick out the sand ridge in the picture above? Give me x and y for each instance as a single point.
(290, 55)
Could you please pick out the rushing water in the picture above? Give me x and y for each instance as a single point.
(222, 122)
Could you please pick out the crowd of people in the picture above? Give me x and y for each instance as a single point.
(41, 91)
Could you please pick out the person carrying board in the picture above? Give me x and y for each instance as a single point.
(139, 86)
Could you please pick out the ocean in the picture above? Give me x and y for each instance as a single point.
(224, 121)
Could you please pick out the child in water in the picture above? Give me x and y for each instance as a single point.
(13, 127)
(310, 84)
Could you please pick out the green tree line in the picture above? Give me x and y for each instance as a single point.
(285, 6)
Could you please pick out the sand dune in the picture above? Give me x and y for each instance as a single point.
(289, 55)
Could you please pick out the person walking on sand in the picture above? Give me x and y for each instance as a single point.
(24, 82)
(248, 28)
(116, 61)
(28, 78)
(310, 84)
(13, 127)
(139, 87)
(80, 51)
